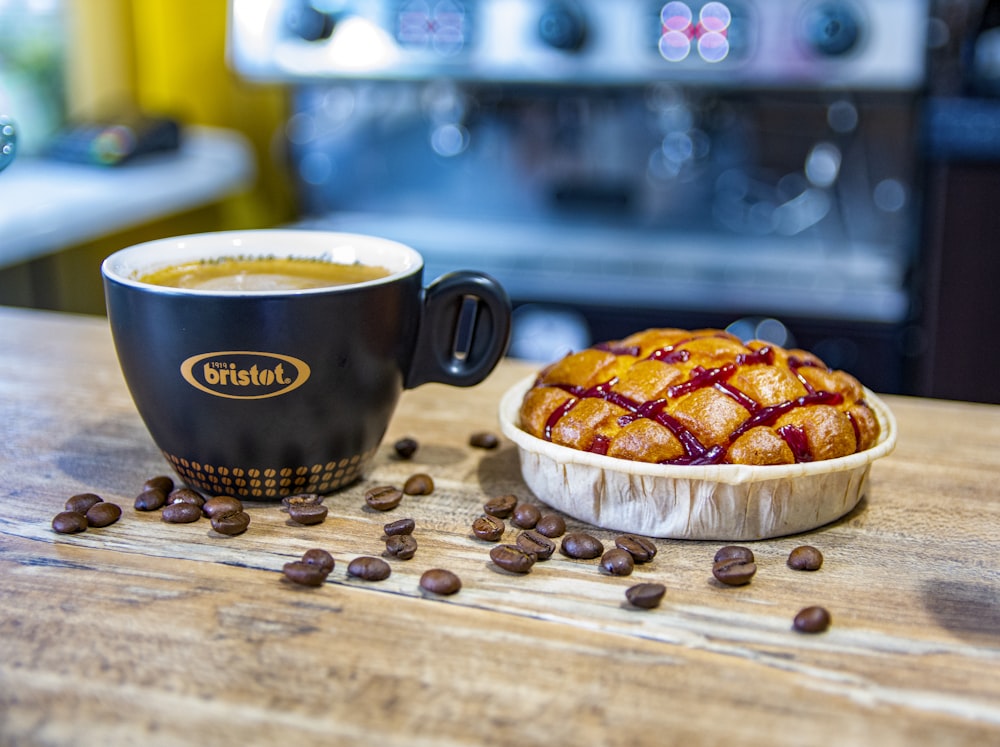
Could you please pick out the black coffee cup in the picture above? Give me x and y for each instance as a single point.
(264, 394)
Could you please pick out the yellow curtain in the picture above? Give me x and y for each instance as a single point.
(168, 57)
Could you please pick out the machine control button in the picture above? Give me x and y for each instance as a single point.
(303, 20)
(563, 26)
(832, 28)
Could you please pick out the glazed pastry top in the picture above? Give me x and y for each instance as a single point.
(699, 397)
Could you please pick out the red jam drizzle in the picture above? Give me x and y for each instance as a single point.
(557, 415)
(767, 415)
(669, 355)
(696, 452)
(610, 347)
(701, 378)
(795, 363)
(796, 439)
(600, 444)
(749, 404)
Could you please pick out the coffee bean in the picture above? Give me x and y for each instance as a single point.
(307, 513)
(419, 484)
(805, 558)
(734, 571)
(489, 528)
(537, 544)
(512, 558)
(83, 502)
(305, 574)
(502, 506)
(440, 581)
(406, 447)
(150, 499)
(484, 440)
(641, 549)
(160, 482)
(221, 505)
(581, 546)
(551, 526)
(730, 552)
(525, 516)
(383, 497)
(368, 568)
(231, 524)
(645, 596)
(618, 562)
(181, 513)
(69, 522)
(401, 526)
(302, 499)
(812, 620)
(103, 514)
(320, 557)
(402, 546)
(185, 495)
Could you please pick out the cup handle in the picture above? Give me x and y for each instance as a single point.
(464, 330)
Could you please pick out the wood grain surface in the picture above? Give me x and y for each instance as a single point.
(155, 634)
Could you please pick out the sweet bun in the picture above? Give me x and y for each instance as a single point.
(672, 396)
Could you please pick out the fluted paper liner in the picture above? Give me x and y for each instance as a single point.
(727, 502)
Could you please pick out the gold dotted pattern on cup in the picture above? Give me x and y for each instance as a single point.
(269, 482)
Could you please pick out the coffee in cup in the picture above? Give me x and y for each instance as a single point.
(254, 386)
(261, 274)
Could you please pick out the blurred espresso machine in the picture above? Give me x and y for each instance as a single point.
(619, 164)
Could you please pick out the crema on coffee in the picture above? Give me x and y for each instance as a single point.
(261, 274)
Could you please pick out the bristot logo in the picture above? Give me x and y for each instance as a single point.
(244, 374)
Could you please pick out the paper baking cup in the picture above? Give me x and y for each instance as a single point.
(726, 502)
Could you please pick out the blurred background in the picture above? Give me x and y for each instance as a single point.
(818, 173)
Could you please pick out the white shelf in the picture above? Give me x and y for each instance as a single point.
(47, 206)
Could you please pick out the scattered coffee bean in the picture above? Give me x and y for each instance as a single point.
(812, 620)
(231, 524)
(221, 505)
(525, 516)
(537, 544)
(440, 581)
(307, 513)
(368, 568)
(406, 447)
(489, 528)
(805, 558)
(618, 562)
(734, 571)
(181, 513)
(502, 506)
(383, 497)
(302, 499)
(401, 526)
(484, 440)
(551, 526)
(402, 546)
(185, 495)
(581, 546)
(512, 558)
(150, 499)
(645, 596)
(103, 514)
(419, 484)
(69, 522)
(320, 557)
(641, 549)
(305, 574)
(83, 502)
(160, 482)
(730, 552)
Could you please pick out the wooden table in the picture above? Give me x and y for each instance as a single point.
(144, 633)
